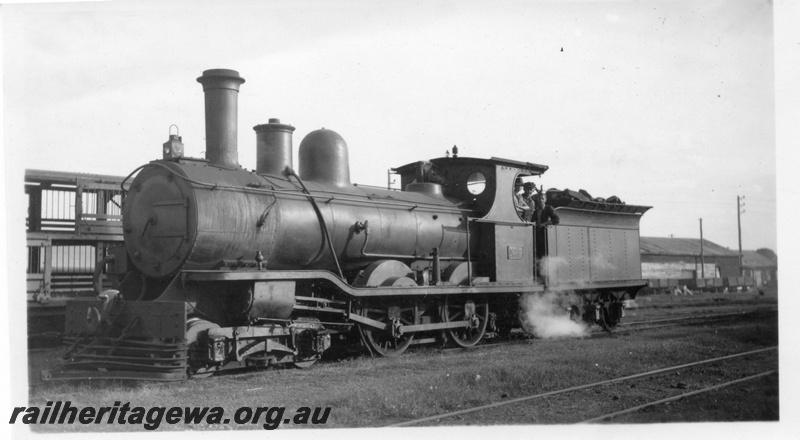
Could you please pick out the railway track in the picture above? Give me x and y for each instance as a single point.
(694, 319)
(634, 409)
(632, 326)
(619, 380)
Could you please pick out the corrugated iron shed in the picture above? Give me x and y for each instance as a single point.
(682, 247)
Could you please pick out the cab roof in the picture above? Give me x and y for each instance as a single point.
(532, 168)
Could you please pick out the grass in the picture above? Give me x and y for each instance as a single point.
(364, 391)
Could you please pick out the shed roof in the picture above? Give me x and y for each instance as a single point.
(682, 246)
(754, 260)
(66, 177)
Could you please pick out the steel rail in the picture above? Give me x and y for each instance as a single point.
(652, 327)
(582, 387)
(678, 397)
(683, 318)
(674, 323)
(689, 320)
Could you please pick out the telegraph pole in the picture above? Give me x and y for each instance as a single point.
(739, 211)
(702, 261)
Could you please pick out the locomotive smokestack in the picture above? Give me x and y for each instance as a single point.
(273, 147)
(221, 87)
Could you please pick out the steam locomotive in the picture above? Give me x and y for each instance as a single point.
(226, 268)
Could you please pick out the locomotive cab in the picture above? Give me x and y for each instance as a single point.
(505, 244)
(485, 186)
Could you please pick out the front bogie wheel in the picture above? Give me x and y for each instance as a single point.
(610, 315)
(197, 328)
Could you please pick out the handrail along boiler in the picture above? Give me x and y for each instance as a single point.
(226, 268)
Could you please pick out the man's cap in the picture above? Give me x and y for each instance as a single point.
(518, 182)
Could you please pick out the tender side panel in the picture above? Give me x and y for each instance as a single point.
(569, 261)
(593, 246)
(612, 256)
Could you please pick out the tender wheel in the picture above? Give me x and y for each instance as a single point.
(197, 369)
(610, 315)
(475, 311)
(614, 313)
(391, 341)
(504, 329)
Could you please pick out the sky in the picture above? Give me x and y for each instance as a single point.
(662, 103)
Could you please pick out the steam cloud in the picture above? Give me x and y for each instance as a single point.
(546, 316)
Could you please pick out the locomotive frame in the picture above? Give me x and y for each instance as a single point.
(225, 268)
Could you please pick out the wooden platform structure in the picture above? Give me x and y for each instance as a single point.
(73, 218)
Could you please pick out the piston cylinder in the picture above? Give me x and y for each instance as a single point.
(221, 87)
(273, 147)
